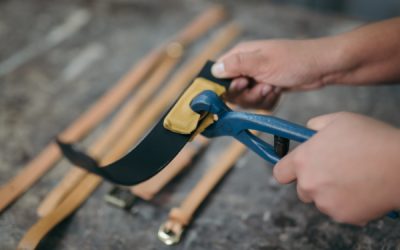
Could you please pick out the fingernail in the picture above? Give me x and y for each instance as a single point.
(265, 90)
(233, 86)
(218, 69)
(241, 84)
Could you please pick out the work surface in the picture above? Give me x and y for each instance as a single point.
(44, 85)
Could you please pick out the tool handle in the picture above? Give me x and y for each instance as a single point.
(238, 124)
(271, 125)
(283, 131)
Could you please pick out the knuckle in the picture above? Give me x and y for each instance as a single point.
(240, 59)
(234, 62)
(303, 195)
(306, 185)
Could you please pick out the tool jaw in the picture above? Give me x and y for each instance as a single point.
(240, 124)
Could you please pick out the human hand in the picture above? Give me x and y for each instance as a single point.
(350, 169)
(274, 65)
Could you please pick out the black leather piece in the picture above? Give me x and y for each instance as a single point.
(145, 160)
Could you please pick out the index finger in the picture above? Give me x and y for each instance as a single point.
(284, 170)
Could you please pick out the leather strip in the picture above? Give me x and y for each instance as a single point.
(194, 30)
(183, 214)
(82, 191)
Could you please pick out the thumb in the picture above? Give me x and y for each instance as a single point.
(322, 121)
(237, 64)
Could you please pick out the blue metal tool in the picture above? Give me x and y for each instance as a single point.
(238, 124)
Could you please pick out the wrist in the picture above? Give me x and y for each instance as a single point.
(336, 60)
(396, 165)
(367, 55)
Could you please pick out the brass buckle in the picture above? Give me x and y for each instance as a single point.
(120, 197)
(168, 236)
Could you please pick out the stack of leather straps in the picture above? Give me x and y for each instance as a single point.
(172, 51)
(100, 110)
(141, 111)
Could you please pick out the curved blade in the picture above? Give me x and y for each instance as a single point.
(150, 156)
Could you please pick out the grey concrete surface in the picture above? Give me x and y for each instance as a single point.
(42, 91)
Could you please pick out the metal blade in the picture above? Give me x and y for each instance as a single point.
(150, 156)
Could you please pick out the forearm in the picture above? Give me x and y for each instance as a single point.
(367, 55)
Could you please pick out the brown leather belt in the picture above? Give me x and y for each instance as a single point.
(89, 183)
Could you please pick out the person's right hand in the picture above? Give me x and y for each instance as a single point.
(274, 65)
(350, 169)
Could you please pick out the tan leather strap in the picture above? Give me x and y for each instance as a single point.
(179, 217)
(148, 189)
(111, 134)
(195, 29)
(89, 183)
(223, 164)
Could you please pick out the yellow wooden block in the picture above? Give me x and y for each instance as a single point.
(182, 119)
